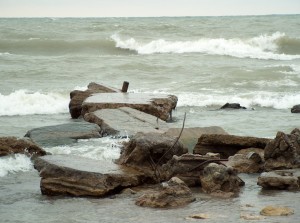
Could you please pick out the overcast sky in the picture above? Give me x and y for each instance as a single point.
(127, 8)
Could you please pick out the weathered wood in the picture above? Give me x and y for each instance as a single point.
(125, 86)
(159, 105)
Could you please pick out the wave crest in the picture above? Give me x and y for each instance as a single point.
(23, 102)
(260, 47)
(15, 163)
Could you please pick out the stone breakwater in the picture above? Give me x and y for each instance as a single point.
(157, 154)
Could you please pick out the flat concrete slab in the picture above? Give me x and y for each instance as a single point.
(159, 105)
(126, 121)
(78, 176)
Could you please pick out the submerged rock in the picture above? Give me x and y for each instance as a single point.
(78, 176)
(220, 179)
(12, 145)
(77, 97)
(173, 193)
(227, 145)
(280, 179)
(232, 106)
(276, 211)
(283, 152)
(295, 109)
(63, 134)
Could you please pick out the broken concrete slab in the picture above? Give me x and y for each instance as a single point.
(63, 134)
(78, 176)
(125, 121)
(190, 136)
(227, 145)
(159, 105)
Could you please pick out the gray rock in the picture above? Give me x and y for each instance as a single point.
(246, 163)
(280, 179)
(77, 176)
(63, 134)
(232, 106)
(125, 121)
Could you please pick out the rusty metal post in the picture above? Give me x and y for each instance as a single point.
(125, 86)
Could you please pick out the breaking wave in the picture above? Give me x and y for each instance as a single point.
(275, 46)
(23, 102)
(15, 163)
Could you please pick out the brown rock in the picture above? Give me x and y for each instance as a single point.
(276, 211)
(157, 105)
(227, 145)
(218, 178)
(11, 145)
(78, 176)
(145, 150)
(188, 167)
(77, 97)
(283, 152)
(173, 193)
(250, 163)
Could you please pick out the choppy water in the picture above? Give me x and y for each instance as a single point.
(205, 61)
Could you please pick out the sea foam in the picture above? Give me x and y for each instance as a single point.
(260, 47)
(23, 102)
(261, 99)
(15, 163)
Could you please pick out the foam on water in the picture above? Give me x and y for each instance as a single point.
(260, 47)
(105, 148)
(261, 99)
(23, 102)
(15, 163)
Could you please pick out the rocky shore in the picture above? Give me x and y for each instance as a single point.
(172, 162)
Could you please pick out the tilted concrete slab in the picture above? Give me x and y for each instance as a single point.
(126, 121)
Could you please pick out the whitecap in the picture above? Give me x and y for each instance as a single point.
(15, 163)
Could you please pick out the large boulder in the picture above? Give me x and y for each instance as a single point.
(64, 134)
(125, 121)
(158, 105)
(77, 97)
(295, 109)
(280, 179)
(173, 193)
(227, 145)
(219, 179)
(12, 145)
(283, 152)
(148, 151)
(78, 176)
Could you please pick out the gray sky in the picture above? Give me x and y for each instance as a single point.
(127, 8)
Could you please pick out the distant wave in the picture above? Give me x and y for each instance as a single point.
(261, 99)
(23, 102)
(34, 46)
(15, 163)
(264, 47)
